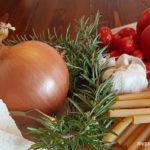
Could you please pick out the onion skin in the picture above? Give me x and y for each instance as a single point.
(33, 76)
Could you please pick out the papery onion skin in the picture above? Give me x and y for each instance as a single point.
(33, 76)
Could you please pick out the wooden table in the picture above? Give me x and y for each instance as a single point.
(43, 14)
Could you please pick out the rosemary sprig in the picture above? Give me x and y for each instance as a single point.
(89, 98)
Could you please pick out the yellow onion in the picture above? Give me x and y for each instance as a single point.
(33, 76)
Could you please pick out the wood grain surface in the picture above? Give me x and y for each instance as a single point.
(43, 14)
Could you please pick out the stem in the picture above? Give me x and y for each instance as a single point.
(30, 115)
(23, 114)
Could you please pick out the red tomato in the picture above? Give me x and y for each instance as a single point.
(127, 32)
(115, 39)
(137, 53)
(147, 64)
(136, 39)
(125, 44)
(143, 21)
(114, 53)
(105, 35)
(145, 43)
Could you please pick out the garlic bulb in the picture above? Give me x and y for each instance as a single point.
(108, 62)
(129, 75)
(125, 60)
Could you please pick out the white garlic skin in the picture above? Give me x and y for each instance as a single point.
(131, 80)
(108, 73)
(125, 60)
(110, 62)
(129, 75)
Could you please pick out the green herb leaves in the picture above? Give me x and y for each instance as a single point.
(89, 98)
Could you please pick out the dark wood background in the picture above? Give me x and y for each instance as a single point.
(43, 14)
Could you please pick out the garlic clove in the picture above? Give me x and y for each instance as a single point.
(108, 62)
(125, 60)
(111, 62)
(133, 79)
(137, 68)
(109, 72)
(129, 75)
